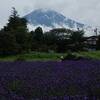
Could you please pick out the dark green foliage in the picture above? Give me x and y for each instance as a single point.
(38, 34)
(65, 39)
(73, 56)
(15, 35)
(7, 43)
(50, 39)
(20, 58)
(57, 40)
(37, 39)
(15, 22)
(77, 38)
(69, 56)
(63, 45)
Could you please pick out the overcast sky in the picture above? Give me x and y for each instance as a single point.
(85, 11)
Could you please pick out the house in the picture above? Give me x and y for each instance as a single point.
(90, 43)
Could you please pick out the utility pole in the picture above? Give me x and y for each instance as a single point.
(96, 32)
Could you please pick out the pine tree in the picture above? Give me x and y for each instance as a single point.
(8, 43)
(17, 27)
(38, 34)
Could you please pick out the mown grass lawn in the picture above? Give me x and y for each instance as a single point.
(33, 56)
(91, 54)
(37, 56)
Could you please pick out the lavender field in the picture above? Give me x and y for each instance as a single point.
(51, 80)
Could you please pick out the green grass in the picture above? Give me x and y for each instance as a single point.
(90, 54)
(34, 56)
(37, 56)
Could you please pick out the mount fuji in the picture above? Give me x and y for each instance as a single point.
(49, 19)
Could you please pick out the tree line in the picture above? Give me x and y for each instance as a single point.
(15, 38)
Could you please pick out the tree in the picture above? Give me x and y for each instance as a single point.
(8, 43)
(38, 34)
(61, 33)
(17, 27)
(37, 39)
(77, 38)
(15, 23)
(50, 40)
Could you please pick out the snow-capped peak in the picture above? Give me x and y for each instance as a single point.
(49, 19)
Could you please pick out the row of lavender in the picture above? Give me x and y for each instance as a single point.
(27, 80)
(15, 97)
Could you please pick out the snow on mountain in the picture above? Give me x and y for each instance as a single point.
(33, 27)
(48, 19)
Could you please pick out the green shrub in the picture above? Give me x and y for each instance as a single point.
(20, 58)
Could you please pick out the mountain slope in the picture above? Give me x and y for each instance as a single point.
(49, 19)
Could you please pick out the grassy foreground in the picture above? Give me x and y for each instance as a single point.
(37, 56)
(33, 56)
(91, 54)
